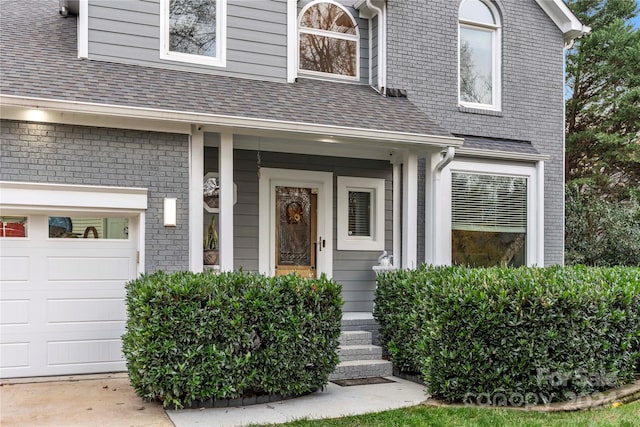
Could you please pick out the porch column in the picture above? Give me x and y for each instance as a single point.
(397, 212)
(225, 224)
(196, 173)
(410, 211)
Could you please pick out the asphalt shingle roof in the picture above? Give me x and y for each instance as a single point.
(38, 58)
(498, 144)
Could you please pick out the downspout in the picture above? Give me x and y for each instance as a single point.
(382, 46)
(448, 157)
(435, 178)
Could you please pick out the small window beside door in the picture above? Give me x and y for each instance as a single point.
(360, 214)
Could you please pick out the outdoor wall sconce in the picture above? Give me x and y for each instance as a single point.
(170, 212)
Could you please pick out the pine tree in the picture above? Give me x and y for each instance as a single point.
(603, 106)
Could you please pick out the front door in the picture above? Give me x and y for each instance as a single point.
(296, 229)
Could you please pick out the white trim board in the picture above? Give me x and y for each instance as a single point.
(71, 197)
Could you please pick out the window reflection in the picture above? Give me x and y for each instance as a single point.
(328, 40)
(479, 47)
(88, 228)
(192, 27)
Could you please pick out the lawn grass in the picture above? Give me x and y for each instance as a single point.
(421, 416)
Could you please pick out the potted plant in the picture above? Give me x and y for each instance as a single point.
(210, 243)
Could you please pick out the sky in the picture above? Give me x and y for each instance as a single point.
(636, 20)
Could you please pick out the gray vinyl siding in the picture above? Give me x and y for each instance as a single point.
(128, 31)
(83, 155)
(352, 269)
(363, 29)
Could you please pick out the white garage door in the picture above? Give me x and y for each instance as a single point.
(62, 305)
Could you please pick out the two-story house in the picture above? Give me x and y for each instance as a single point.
(317, 133)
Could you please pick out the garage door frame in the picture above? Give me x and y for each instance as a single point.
(36, 199)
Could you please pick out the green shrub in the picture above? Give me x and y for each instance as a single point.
(513, 336)
(193, 337)
(601, 232)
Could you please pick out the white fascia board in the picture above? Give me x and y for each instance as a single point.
(204, 119)
(75, 197)
(502, 155)
(564, 18)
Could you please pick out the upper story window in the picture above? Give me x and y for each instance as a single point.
(328, 41)
(193, 31)
(479, 50)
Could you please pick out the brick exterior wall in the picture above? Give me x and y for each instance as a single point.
(65, 154)
(422, 58)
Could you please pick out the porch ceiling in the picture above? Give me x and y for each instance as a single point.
(40, 69)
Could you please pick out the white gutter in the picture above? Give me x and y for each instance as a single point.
(9, 102)
(381, 12)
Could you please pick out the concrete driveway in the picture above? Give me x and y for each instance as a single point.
(96, 400)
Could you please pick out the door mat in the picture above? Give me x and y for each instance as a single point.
(362, 381)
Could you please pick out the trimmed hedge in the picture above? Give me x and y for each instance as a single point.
(512, 336)
(193, 337)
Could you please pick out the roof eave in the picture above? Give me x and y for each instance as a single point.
(565, 19)
(397, 138)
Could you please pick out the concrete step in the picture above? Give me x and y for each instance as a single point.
(362, 369)
(359, 352)
(355, 338)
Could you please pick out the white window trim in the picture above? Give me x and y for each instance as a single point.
(375, 186)
(306, 30)
(496, 71)
(220, 60)
(535, 203)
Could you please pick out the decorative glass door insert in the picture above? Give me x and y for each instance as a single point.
(295, 231)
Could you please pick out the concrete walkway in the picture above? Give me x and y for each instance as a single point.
(109, 400)
(333, 402)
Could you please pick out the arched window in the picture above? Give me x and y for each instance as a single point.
(479, 49)
(328, 40)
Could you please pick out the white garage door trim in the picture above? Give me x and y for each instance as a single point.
(82, 298)
(24, 197)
